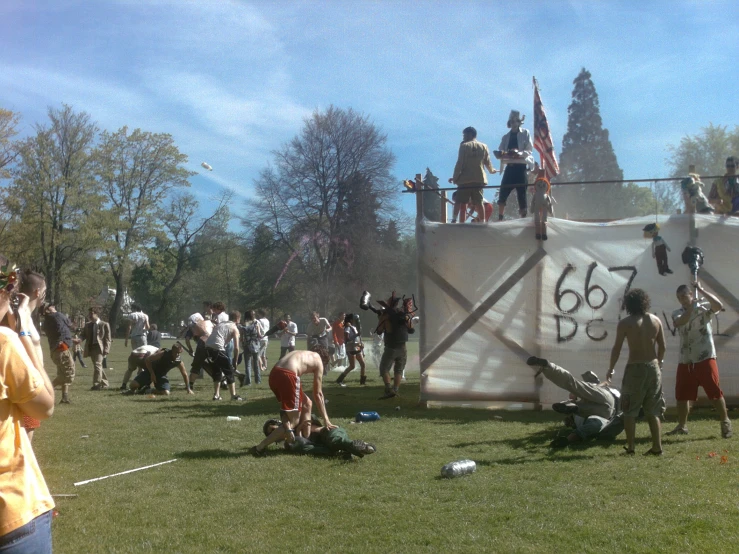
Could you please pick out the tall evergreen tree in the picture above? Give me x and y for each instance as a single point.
(587, 155)
(431, 202)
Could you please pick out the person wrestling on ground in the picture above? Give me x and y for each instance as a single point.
(295, 407)
(136, 360)
(322, 441)
(593, 406)
(157, 366)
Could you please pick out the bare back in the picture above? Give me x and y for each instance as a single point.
(301, 362)
(643, 333)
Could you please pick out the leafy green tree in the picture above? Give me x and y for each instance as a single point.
(137, 171)
(707, 151)
(587, 155)
(54, 195)
(8, 130)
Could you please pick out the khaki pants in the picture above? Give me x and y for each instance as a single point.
(98, 376)
(64, 363)
(593, 399)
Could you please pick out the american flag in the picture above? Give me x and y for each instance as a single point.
(543, 138)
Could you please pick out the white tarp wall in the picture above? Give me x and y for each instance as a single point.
(491, 295)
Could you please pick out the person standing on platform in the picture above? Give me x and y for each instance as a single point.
(516, 151)
(469, 173)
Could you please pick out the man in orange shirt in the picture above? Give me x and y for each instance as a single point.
(337, 330)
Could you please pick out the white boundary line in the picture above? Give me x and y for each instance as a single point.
(123, 473)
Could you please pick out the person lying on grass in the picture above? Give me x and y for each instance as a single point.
(322, 441)
(593, 409)
(295, 407)
(157, 366)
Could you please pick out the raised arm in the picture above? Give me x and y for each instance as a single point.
(41, 406)
(716, 304)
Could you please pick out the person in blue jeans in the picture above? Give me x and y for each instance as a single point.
(251, 335)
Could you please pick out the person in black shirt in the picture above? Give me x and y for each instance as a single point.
(61, 346)
(396, 324)
(153, 337)
(157, 366)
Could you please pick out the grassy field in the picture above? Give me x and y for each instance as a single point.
(524, 497)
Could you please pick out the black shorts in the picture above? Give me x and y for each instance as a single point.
(222, 366)
(198, 359)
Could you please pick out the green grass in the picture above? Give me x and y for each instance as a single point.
(523, 497)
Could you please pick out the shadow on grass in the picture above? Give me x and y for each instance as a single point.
(210, 454)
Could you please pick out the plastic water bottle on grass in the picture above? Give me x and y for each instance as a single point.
(455, 469)
(233, 418)
(367, 416)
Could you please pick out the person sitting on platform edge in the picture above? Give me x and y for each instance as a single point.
(593, 406)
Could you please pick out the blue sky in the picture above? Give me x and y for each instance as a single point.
(233, 80)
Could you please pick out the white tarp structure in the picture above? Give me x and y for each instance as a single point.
(491, 295)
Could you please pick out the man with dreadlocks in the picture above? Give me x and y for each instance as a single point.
(396, 323)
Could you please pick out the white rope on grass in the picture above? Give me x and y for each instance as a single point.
(123, 473)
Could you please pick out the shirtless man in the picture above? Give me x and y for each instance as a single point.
(642, 381)
(295, 407)
(199, 328)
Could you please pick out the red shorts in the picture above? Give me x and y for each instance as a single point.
(691, 376)
(287, 388)
(30, 423)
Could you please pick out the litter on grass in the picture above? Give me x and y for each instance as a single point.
(122, 473)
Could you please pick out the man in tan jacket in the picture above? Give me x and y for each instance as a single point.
(97, 345)
(469, 173)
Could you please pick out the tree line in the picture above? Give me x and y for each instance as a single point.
(93, 209)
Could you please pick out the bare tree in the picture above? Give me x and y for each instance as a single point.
(303, 200)
(137, 171)
(183, 227)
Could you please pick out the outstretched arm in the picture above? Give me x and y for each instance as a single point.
(185, 377)
(318, 399)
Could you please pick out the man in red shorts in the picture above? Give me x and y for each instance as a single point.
(697, 365)
(295, 407)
